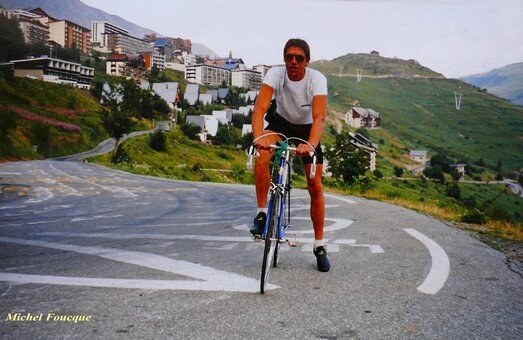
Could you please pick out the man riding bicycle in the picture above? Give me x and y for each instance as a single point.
(301, 105)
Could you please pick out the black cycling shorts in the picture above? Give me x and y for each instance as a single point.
(279, 124)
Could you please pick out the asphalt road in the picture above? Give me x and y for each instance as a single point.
(89, 252)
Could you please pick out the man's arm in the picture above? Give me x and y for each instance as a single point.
(260, 107)
(319, 112)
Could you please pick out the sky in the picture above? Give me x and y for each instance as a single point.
(453, 37)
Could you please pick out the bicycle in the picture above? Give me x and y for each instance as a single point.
(278, 220)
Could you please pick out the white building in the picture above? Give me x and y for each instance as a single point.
(173, 65)
(206, 98)
(206, 74)
(100, 31)
(249, 79)
(224, 117)
(246, 128)
(419, 156)
(192, 93)
(360, 117)
(245, 110)
(262, 69)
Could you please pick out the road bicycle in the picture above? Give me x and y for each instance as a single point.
(278, 217)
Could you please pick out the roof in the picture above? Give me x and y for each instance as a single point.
(214, 94)
(222, 93)
(418, 153)
(366, 112)
(167, 91)
(117, 57)
(192, 88)
(206, 98)
(161, 42)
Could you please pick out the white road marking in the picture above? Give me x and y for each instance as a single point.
(95, 217)
(10, 173)
(231, 241)
(209, 279)
(440, 269)
(296, 207)
(42, 194)
(346, 200)
(339, 223)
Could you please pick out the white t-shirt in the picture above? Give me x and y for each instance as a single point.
(294, 98)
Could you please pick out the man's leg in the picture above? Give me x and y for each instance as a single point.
(262, 181)
(317, 211)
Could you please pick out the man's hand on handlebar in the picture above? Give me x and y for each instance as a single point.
(263, 144)
(304, 150)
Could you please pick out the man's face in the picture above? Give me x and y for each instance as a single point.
(295, 62)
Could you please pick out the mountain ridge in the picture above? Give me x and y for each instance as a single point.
(505, 82)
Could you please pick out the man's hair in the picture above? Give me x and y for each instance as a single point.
(298, 43)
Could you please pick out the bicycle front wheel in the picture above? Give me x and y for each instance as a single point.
(271, 242)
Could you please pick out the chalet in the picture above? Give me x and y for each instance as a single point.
(192, 93)
(419, 156)
(360, 117)
(169, 91)
(460, 168)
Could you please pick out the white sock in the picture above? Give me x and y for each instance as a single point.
(263, 210)
(318, 243)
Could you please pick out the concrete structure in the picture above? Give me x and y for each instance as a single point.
(33, 29)
(61, 71)
(262, 69)
(64, 32)
(177, 66)
(206, 74)
(100, 31)
(248, 79)
(125, 44)
(123, 65)
(419, 156)
(367, 146)
(359, 117)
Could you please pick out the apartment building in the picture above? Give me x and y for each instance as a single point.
(99, 34)
(249, 79)
(263, 69)
(125, 44)
(206, 74)
(183, 45)
(34, 31)
(65, 33)
(126, 65)
(63, 71)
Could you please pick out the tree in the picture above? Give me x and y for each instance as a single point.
(398, 172)
(11, 40)
(345, 160)
(157, 141)
(442, 161)
(453, 190)
(191, 130)
(116, 119)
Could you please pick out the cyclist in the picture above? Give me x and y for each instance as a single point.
(300, 95)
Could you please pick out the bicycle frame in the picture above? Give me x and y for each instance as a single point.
(282, 185)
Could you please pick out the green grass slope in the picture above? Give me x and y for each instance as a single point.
(373, 65)
(58, 119)
(422, 114)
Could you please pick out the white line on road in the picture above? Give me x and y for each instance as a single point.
(439, 272)
(42, 194)
(210, 279)
(339, 223)
(346, 200)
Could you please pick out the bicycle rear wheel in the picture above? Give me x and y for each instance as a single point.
(271, 242)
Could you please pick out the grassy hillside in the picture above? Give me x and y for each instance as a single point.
(422, 114)
(373, 65)
(58, 119)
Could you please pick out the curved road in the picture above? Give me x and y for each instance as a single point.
(151, 258)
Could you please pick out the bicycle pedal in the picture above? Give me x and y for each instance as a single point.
(283, 240)
(257, 238)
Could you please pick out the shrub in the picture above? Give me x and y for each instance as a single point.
(398, 172)
(191, 130)
(453, 190)
(157, 141)
(377, 173)
(474, 216)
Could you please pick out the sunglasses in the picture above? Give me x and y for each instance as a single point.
(289, 57)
